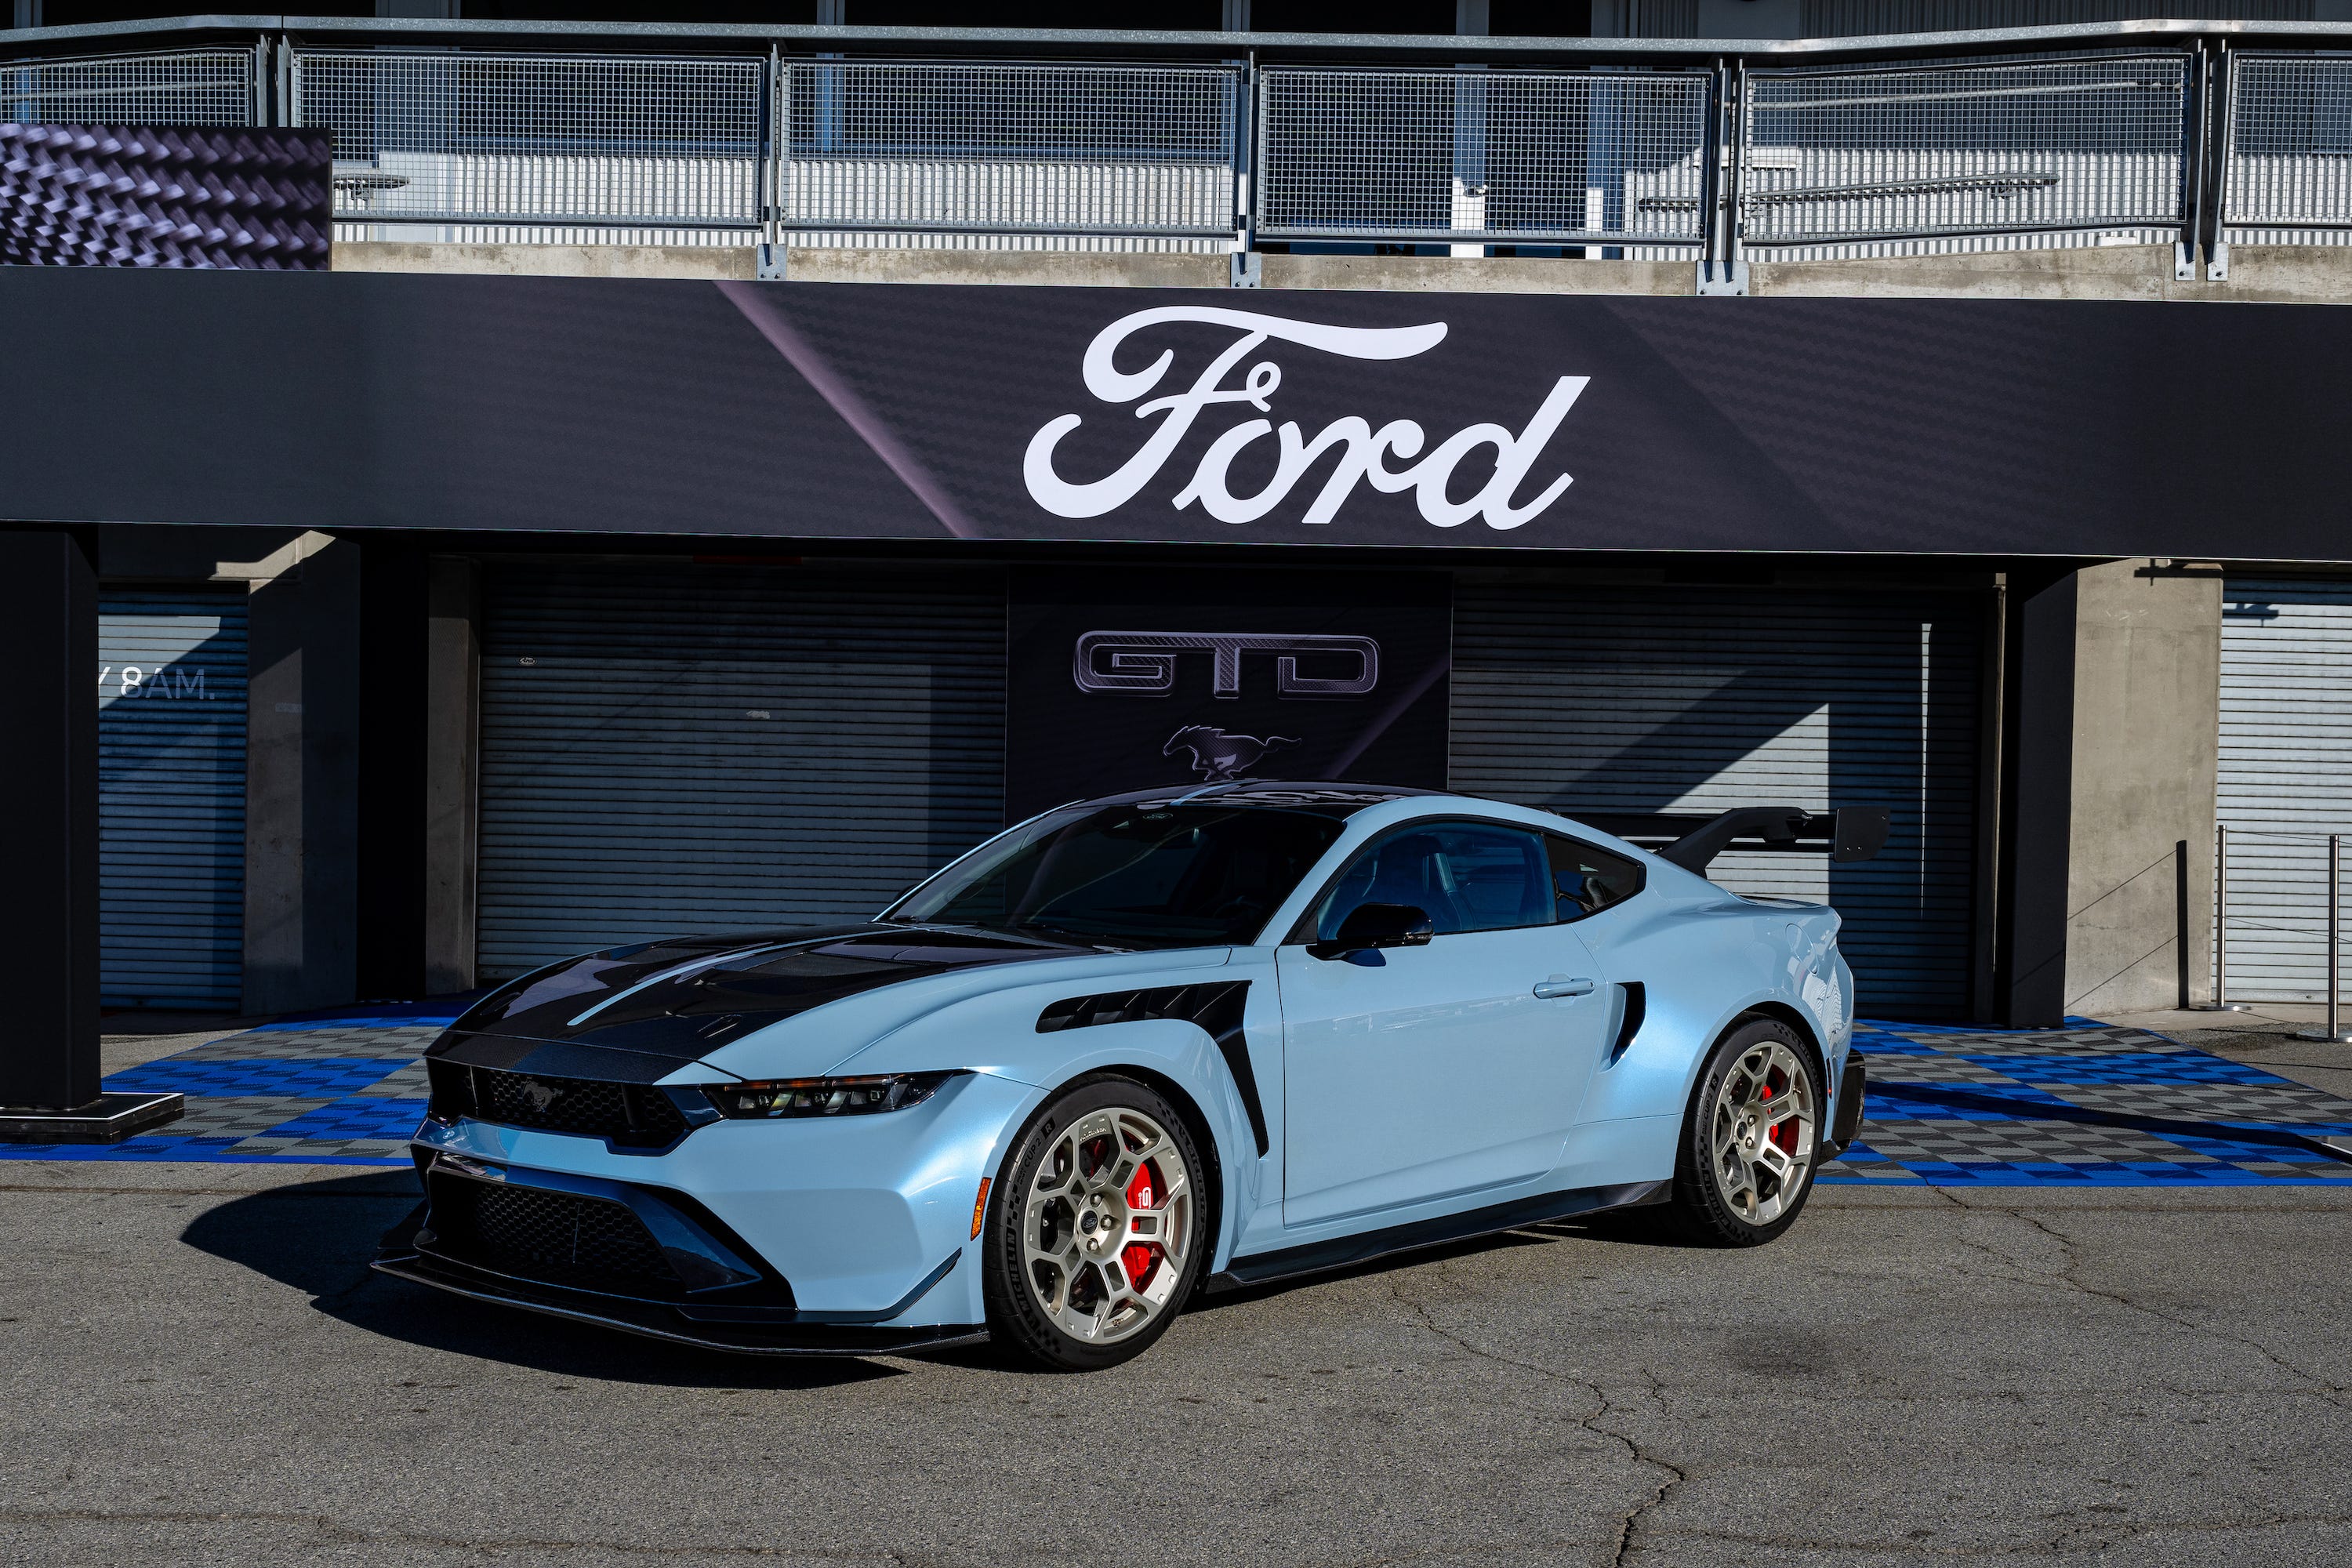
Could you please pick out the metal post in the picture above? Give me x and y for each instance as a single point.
(2220, 143)
(2331, 1035)
(2193, 148)
(2220, 1003)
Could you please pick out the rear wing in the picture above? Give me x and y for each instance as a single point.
(1692, 842)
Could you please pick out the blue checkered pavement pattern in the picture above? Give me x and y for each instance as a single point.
(2087, 1105)
(2090, 1105)
(336, 1090)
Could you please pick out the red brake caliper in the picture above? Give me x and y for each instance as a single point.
(1784, 1136)
(1142, 1259)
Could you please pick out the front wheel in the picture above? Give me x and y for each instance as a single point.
(1095, 1235)
(1749, 1138)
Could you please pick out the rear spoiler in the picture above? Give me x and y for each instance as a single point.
(1692, 842)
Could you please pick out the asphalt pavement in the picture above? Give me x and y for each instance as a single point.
(199, 1368)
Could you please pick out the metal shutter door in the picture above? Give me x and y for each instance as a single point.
(2285, 777)
(677, 750)
(171, 799)
(1635, 699)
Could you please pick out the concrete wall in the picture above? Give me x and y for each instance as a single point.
(2147, 676)
(2275, 274)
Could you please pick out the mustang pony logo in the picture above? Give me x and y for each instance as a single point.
(1362, 450)
(1219, 757)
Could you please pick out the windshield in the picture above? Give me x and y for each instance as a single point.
(1176, 876)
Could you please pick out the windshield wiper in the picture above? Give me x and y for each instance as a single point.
(1091, 938)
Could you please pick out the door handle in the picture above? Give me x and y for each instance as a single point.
(1560, 985)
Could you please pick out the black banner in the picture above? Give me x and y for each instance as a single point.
(782, 410)
(1131, 682)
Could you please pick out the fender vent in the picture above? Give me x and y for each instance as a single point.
(1216, 1007)
(1636, 1004)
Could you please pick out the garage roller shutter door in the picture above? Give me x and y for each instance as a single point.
(171, 799)
(1698, 699)
(674, 750)
(2285, 776)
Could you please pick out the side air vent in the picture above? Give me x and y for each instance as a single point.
(1217, 1007)
(1636, 1004)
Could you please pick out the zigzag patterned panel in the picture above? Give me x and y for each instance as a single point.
(164, 196)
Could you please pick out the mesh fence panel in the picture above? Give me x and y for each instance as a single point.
(1473, 155)
(2290, 153)
(1011, 149)
(185, 87)
(599, 142)
(1955, 149)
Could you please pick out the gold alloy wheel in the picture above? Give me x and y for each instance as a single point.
(1105, 1226)
(1762, 1131)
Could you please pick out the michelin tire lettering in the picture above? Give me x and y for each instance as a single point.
(1362, 449)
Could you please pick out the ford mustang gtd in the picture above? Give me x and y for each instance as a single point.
(1140, 1047)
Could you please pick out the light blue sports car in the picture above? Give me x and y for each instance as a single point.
(1138, 1046)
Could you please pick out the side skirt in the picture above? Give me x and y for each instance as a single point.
(1345, 1251)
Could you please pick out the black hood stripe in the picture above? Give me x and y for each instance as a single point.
(679, 1001)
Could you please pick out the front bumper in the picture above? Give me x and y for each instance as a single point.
(808, 1236)
(630, 1259)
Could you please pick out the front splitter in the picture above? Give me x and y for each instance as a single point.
(659, 1322)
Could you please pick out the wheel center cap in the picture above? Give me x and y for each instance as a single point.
(1088, 1222)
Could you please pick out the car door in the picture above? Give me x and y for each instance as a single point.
(1413, 1074)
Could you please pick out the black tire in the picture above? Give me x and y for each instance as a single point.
(1712, 1209)
(1019, 1315)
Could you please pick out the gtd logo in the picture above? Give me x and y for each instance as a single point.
(1145, 662)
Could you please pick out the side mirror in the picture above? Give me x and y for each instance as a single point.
(1370, 926)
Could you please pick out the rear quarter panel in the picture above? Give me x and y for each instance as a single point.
(1704, 957)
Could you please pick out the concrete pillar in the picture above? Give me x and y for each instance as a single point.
(48, 802)
(2146, 735)
(453, 685)
(301, 883)
(2036, 798)
(393, 702)
(2112, 742)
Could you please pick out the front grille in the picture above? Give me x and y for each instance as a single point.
(633, 1115)
(561, 1238)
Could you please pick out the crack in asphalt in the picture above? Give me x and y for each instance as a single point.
(2068, 1277)
(1603, 1403)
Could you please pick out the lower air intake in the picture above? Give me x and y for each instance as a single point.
(534, 1234)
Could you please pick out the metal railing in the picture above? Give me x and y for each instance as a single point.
(1949, 149)
(174, 87)
(2287, 159)
(1482, 156)
(539, 141)
(1658, 151)
(971, 147)
(2277, 927)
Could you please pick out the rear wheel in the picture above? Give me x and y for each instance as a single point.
(1095, 1235)
(1749, 1138)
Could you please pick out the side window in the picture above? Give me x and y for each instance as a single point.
(1587, 880)
(1464, 876)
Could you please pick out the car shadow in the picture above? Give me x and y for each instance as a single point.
(319, 1237)
(1626, 1228)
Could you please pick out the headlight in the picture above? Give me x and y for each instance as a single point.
(824, 1096)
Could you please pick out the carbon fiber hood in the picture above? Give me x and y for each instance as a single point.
(676, 1002)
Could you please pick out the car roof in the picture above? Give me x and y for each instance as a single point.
(1324, 796)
